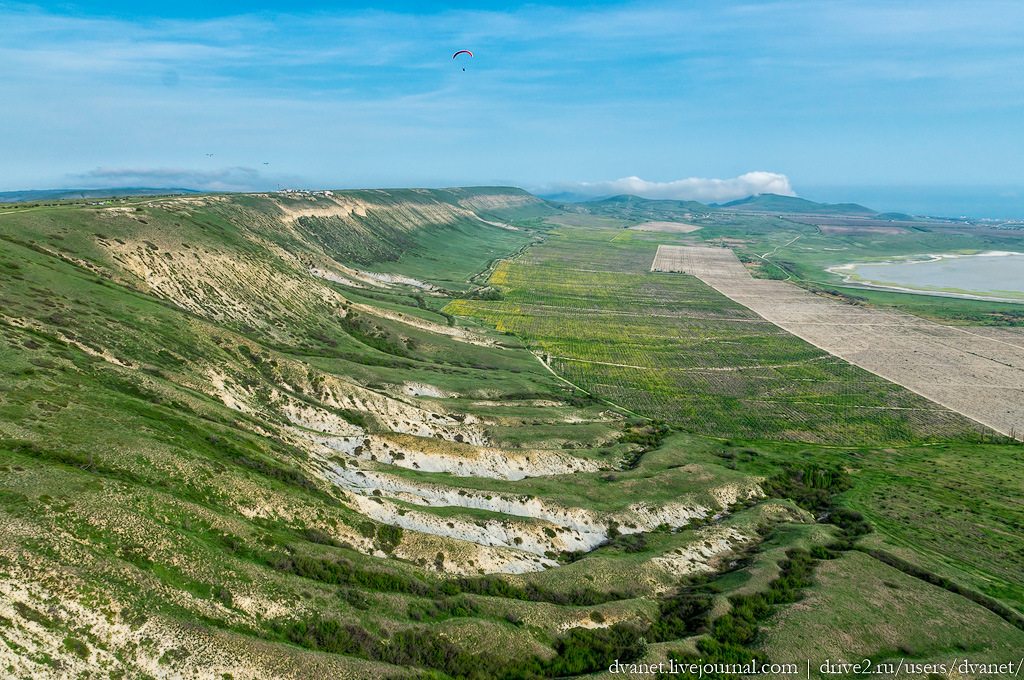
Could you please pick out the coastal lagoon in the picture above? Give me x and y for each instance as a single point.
(991, 275)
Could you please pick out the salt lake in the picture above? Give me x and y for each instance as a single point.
(993, 275)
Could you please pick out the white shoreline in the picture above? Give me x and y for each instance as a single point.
(847, 272)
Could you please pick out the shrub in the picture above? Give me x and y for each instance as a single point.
(77, 647)
(223, 594)
(389, 536)
(809, 485)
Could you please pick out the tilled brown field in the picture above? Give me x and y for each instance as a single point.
(978, 372)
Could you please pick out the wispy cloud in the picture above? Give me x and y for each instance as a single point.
(829, 90)
(542, 42)
(692, 189)
(222, 179)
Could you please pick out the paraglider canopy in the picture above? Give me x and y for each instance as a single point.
(462, 52)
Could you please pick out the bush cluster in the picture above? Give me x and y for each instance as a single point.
(809, 485)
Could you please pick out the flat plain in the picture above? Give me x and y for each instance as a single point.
(973, 373)
(671, 347)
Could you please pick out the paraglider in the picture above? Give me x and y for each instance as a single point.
(462, 52)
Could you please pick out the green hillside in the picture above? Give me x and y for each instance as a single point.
(792, 204)
(635, 208)
(412, 433)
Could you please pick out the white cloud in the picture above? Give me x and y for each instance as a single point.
(692, 189)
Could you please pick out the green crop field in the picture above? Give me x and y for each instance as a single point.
(667, 346)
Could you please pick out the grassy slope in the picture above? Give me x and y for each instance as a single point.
(91, 447)
(149, 515)
(860, 608)
(130, 483)
(777, 203)
(953, 509)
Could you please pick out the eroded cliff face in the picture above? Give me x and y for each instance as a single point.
(439, 440)
(218, 417)
(249, 280)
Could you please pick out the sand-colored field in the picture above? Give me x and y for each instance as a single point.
(978, 372)
(667, 227)
(855, 230)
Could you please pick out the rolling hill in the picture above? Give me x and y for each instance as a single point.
(774, 203)
(456, 433)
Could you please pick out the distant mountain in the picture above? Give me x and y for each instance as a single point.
(653, 204)
(65, 194)
(629, 207)
(570, 197)
(638, 206)
(791, 204)
(570, 200)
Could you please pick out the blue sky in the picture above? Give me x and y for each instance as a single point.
(912, 104)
